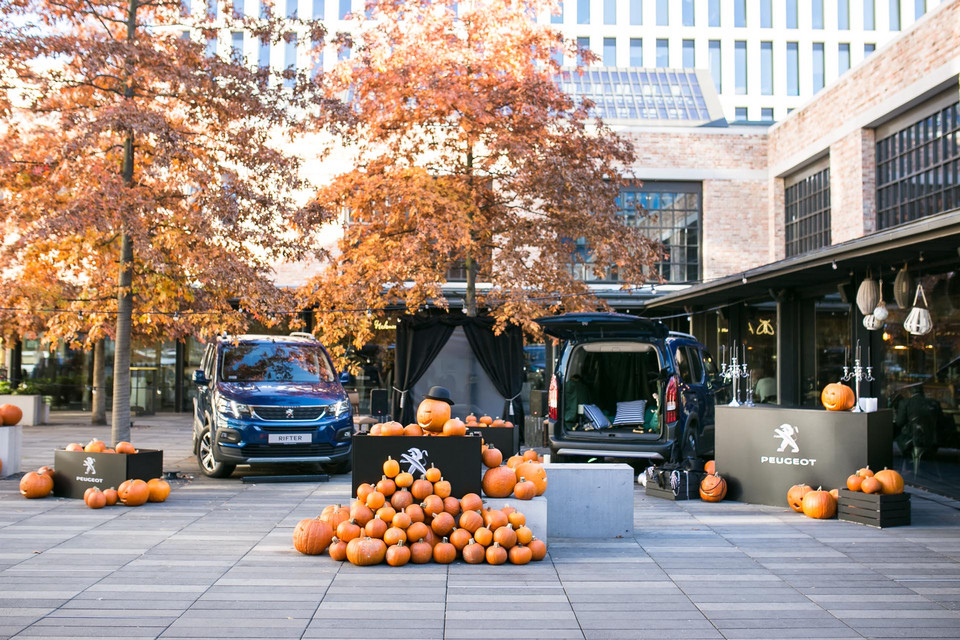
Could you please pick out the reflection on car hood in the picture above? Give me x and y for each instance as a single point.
(282, 393)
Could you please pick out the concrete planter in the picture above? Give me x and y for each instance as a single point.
(10, 439)
(34, 410)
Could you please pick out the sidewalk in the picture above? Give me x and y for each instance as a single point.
(216, 561)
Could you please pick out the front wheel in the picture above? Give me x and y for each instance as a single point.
(208, 464)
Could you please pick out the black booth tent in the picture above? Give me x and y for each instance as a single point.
(421, 339)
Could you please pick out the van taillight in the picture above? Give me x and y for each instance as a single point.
(671, 401)
(552, 399)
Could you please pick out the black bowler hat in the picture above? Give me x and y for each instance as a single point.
(439, 393)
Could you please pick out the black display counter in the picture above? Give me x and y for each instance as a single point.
(458, 458)
(763, 451)
(504, 439)
(77, 471)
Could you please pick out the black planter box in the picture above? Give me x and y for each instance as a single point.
(873, 509)
(77, 471)
(504, 439)
(687, 484)
(458, 458)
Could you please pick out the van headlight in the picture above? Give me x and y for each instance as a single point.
(227, 408)
(337, 409)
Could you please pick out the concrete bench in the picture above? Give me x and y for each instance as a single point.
(589, 500)
(10, 444)
(535, 511)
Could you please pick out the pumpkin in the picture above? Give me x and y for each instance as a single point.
(506, 537)
(484, 536)
(432, 414)
(454, 427)
(393, 536)
(348, 530)
(713, 488)
(452, 506)
(890, 481)
(375, 500)
(525, 490)
(795, 496)
(95, 446)
(492, 457)
(524, 535)
(398, 554)
(443, 524)
(471, 502)
(853, 482)
(507, 510)
(485, 421)
(535, 473)
(498, 482)
(73, 446)
(460, 538)
(361, 513)
(363, 490)
(865, 472)
(432, 505)
(337, 550)
(111, 496)
(473, 553)
(433, 474)
(837, 397)
(421, 552)
(10, 414)
(516, 519)
(412, 430)
(158, 490)
(422, 488)
(391, 429)
(871, 485)
(109, 450)
(375, 430)
(444, 552)
(46, 471)
(497, 423)
(401, 499)
(520, 554)
(835, 493)
(137, 493)
(710, 467)
(402, 520)
(513, 461)
(496, 554)
(819, 504)
(334, 514)
(404, 479)
(539, 549)
(391, 468)
(364, 552)
(95, 499)
(386, 486)
(386, 513)
(125, 447)
(415, 512)
(417, 531)
(493, 519)
(122, 489)
(89, 491)
(442, 489)
(530, 455)
(311, 536)
(375, 528)
(471, 521)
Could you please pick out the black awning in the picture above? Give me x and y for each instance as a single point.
(936, 239)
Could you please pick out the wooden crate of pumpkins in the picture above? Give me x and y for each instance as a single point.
(875, 499)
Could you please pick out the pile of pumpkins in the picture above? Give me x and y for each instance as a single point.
(523, 476)
(98, 446)
(886, 481)
(822, 504)
(713, 487)
(433, 419)
(387, 524)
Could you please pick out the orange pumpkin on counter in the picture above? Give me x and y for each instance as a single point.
(837, 397)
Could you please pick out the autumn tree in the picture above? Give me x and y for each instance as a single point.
(137, 145)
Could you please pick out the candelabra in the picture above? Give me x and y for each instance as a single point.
(734, 372)
(858, 374)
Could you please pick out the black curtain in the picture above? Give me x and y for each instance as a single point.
(501, 357)
(419, 341)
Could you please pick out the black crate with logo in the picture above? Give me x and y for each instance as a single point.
(77, 471)
(458, 458)
(873, 509)
(504, 439)
(674, 484)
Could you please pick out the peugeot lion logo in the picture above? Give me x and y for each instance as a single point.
(414, 458)
(289, 413)
(787, 434)
(88, 466)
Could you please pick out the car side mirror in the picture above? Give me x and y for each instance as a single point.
(345, 377)
(199, 377)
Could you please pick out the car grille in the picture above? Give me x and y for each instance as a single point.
(287, 450)
(298, 413)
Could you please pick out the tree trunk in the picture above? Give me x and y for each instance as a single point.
(98, 414)
(120, 429)
(470, 295)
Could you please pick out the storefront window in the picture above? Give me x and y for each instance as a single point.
(829, 332)
(760, 340)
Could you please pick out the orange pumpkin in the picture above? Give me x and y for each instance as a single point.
(111, 496)
(535, 473)
(412, 430)
(95, 499)
(401, 520)
(394, 535)
(73, 446)
(391, 468)
(865, 472)
(335, 514)
(473, 553)
(530, 455)
(819, 504)
(432, 505)
(853, 482)
(837, 397)
(366, 551)
(493, 519)
(452, 506)
(539, 549)
(454, 427)
(375, 528)
(506, 537)
(713, 488)
(46, 471)
(524, 490)
(517, 519)
(391, 429)
(386, 486)
(398, 554)
(443, 524)
(471, 521)
(135, 494)
(95, 446)
(421, 552)
(375, 499)
(433, 473)
(444, 552)
(524, 535)
(404, 479)
(513, 461)
(871, 485)
(10, 414)
(442, 488)
(348, 530)
(312, 536)
(496, 554)
(795, 496)
(890, 481)
(337, 550)
(36, 485)
(432, 415)
(520, 554)
(484, 536)
(422, 488)
(401, 499)
(710, 467)
(364, 489)
(835, 493)
(460, 538)
(499, 482)
(492, 457)
(158, 490)
(125, 447)
(485, 421)
(471, 502)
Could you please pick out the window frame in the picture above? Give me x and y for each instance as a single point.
(807, 198)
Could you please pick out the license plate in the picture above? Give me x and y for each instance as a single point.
(288, 438)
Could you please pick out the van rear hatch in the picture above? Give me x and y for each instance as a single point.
(597, 325)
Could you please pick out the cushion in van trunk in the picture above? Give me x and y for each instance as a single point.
(630, 412)
(593, 413)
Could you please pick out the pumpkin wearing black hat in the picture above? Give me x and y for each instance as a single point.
(434, 411)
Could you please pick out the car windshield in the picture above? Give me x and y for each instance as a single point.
(254, 362)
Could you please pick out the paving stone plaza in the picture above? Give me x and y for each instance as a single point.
(216, 561)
